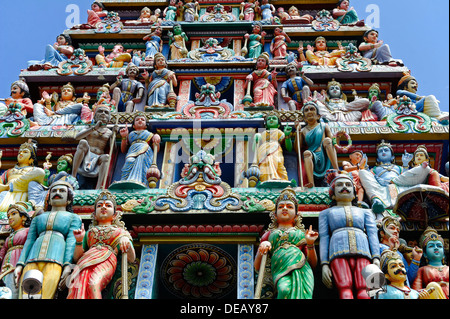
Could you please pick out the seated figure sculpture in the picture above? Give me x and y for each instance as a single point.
(19, 104)
(376, 50)
(296, 89)
(346, 14)
(127, 92)
(116, 59)
(319, 55)
(333, 105)
(60, 51)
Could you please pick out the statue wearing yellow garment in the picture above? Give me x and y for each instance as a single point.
(14, 181)
(270, 153)
(51, 242)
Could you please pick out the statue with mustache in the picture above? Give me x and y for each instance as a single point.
(349, 240)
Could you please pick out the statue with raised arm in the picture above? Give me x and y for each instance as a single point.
(19, 104)
(60, 51)
(97, 251)
(376, 50)
(348, 241)
(128, 91)
(177, 43)
(292, 249)
(296, 89)
(319, 55)
(255, 41)
(115, 59)
(264, 82)
(50, 242)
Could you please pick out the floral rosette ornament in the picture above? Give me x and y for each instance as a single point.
(336, 141)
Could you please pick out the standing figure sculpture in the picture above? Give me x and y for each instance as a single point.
(127, 92)
(60, 51)
(189, 10)
(316, 143)
(264, 82)
(278, 46)
(435, 272)
(349, 241)
(159, 85)
(357, 161)
(267, 10)
(170, 12)
(248, 10)
(14, 182)
(286, 240)
(19, 220)
(376, 50)
(153, 44)
(137, 147)
(177, 43)
(295, 90)
(255, 41)
(96, 251)
(407, 86)
(269, 151)
(90, 159)
(50, 243)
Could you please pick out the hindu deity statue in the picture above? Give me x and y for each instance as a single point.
(60, 51)
(376, 50)
(334, 107)
(14, 182)
(348, 241)
(435, 272)
(19, 219)
(270, 153)
(136, 144)
(316, 144)
(278, 46)
(127, 92)
(255, 41)
(346, 14)
(296, 89)
(159, 85)
(379, 108)
(51, 242)
(319, 55)
(407, 86)
(266, 10)
(116, 59)
(292, 250)
(189, 10)
(170, 12)
(357, 161)
(97, 250)
(248, 10)
(264, 82)
(177, 43)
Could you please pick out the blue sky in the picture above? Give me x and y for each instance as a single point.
(417, 32)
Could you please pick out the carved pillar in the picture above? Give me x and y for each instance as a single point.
(183, 94)
(240, 163)
(237, 47)
(147, 267)
(168, 166)
(246, 282)
(239, 92)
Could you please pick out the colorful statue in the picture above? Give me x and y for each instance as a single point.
(96, 14)
(269, 152)
(266, 10)
(189, 10)
(19, 104)
(377, 181)
(96, 251)
(407, 86)
(346, 14)
(153, 44)
(316, 143)
(127, 92)
(278, 46)
(50, 243)
(139, 153)
(333, 105)
(394, 271)
(248, 10)
(294, 15)
(60, 51)
(435, 273)
(116, 59)
(19, 220)
(295, 90)
(51, 110)
(376, 50)
(177, 43)
(255, 41)
(286, 240)
(349, 241)
(319, 54)
(160, 83)
(357, 161)
(170, 12)
(90, 159)
(379, 108)
(389, 230)
(14, 181)
(264, 82)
